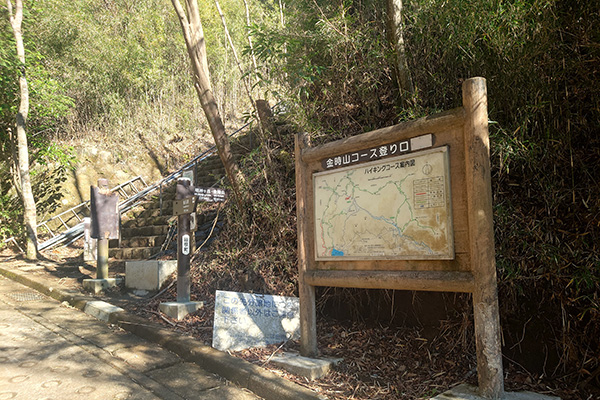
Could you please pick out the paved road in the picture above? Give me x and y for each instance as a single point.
(51, 351)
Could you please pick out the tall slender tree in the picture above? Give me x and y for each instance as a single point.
(248, 24)
(247, 85)
(15, 16)
(396, 38)
(196, 46)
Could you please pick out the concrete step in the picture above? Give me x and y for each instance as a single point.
(145, 232)
(157, 230)
(144, 241)
(148, 221)
(155, 210)
(136, 253)
(118, 263)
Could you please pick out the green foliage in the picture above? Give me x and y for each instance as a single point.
(539, 58)
(9, 217)
(108, 54)
(49, 104)
(49, 107)
(9, 85)
(112, 55)
(332, 60)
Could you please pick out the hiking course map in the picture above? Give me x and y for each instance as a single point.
(395, 208)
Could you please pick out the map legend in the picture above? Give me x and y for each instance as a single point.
(430, 192)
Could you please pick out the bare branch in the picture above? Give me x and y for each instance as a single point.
(196, 46)
(182, 20)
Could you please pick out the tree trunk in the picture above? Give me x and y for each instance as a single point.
(396, 37)
(248, 22)
(29, 212)
(246, 84)
(196, 46)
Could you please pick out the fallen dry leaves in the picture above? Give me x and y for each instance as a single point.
(379, 361)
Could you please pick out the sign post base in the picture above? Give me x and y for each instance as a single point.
(99, 285)
(310, 368)
(180, 310)
(468, 392)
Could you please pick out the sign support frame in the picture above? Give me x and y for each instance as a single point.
(465, 130)
(481, 231)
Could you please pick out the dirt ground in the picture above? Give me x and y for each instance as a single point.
(379, 362)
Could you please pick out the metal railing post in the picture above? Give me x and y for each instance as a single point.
(75, 232)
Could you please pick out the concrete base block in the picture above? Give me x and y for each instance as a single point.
(468, 392)
(98, 285)
(311, 368)
(101, 309)
(180, 310)
(148, 274)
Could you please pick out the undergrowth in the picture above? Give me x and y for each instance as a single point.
(258, 245)
(538, 58)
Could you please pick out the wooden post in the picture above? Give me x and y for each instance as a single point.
(102, 244)
(184, 248)
(308, 314)
(265, 117)
(481, 239)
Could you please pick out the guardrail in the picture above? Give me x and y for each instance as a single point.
(72, 234)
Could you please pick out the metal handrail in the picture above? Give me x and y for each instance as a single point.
(74, 210)
(76, 231)
(14, 241)
(59, 216)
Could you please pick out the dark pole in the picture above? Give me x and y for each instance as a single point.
(184, 240)
(102, 246)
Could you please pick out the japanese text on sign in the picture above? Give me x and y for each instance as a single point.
(210, 195)
(379, 152)
(185, 244)
(390, 166)
(184, 206)
(245, 320)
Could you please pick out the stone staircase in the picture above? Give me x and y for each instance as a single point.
(144, 231)
(148, 228)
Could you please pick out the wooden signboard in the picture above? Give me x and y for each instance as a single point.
(406, 207)
(104, 211)
(210, 195)
(184, 206)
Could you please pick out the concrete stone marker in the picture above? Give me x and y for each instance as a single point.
(245, 320)
(148, 274)
(310, 368)
(101, 309)
(468, 392)
(89, 245)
